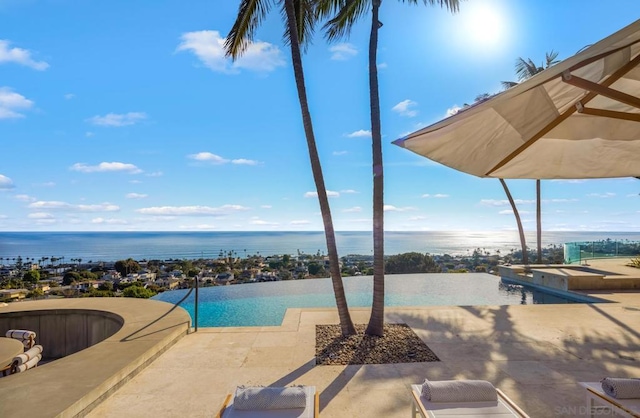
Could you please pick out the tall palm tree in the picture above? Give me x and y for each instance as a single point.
(525, 69)
(525, 255)
(299, 19)
(343, 14)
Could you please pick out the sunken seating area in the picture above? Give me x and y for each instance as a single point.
(93, 346)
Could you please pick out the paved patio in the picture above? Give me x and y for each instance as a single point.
(535, 353)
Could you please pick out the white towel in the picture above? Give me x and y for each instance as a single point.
(20, 334)
(29, 364)
(23, 358)
(459, 391)
(621, 388)
(260, 397)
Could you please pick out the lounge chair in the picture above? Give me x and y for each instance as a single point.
(458, 406)
(271, 402)
(600, 403)
(27, 337)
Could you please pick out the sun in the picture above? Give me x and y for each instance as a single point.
(482, 24)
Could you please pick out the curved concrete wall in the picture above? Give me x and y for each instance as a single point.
(64, 331)
(107, 341)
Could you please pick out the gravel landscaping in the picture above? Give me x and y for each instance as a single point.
(398, 345)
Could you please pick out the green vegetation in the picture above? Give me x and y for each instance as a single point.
(411, 263)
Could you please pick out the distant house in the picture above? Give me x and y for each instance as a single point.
(224, 278)
(10, 295)
(84, 286)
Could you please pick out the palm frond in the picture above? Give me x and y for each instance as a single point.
(452, 5)
(508, 84)
(526, 69)
(250, 14)
(306, 19)
(551, 58)
(348, 12)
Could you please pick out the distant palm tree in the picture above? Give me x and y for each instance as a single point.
(300, 19)
(526, 69)
(343, 14)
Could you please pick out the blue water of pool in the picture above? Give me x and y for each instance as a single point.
(264, 304)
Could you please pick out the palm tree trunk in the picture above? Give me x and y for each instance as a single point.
(525, 256)
(539, 221)
(376, 321)
(346, 324)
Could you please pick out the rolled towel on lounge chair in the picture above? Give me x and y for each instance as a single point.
(261, 397)
(459, 391)
(29, 364)
(621, 388)
(28, 355)
(20, 334)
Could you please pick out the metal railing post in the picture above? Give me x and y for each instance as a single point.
(196, 305)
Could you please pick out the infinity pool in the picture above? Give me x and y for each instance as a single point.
(264, 304)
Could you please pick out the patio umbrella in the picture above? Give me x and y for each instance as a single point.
(579, 119)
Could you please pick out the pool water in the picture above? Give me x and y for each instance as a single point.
(264, 304)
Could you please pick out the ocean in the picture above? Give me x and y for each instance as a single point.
(112, 246)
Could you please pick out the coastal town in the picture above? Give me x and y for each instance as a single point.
(47, 277)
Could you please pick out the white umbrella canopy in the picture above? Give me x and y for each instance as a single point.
(579, 119)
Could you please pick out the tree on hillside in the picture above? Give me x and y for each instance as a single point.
(343, 14)
(32, 276)
(124, 267)
(412, 262)
(299, 19)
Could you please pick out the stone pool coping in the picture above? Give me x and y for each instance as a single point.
(74, 385)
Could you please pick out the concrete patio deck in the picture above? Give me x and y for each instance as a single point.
(536, 354)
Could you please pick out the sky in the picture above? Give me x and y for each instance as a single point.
(126, 116)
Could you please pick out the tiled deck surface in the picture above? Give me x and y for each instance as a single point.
(535, 353)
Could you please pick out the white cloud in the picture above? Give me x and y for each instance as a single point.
(6, 183)
(391, 208)
(342, 52)
(136, 196)
(504, 202)
(632, 195)
(329, 194)
(349, 191)
(266, 206)
(244, 161)
(191, 210)
(406, 108)
(208, 157)
(105, 167)
(262, 222)
(19, 56)
(382, 65)
(111, 221)
(301, 222)
(417, 218)
(359, 134)
(354, 209)
(118, 120)
(89, 134)
(11, 103)
(155, 174)
(69, 96)
(57, 205)
(340, 152)
(435, 196)
(208, 46)
(452, 111)
(575, 181)
(602, 195)
(40, 215)
(25, 198)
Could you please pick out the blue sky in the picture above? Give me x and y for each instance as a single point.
(118, 116)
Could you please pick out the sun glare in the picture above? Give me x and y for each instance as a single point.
(482, 24)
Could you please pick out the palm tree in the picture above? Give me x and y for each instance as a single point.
(526, 69)
(347, 12)
(299, 19)
(525, 255)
